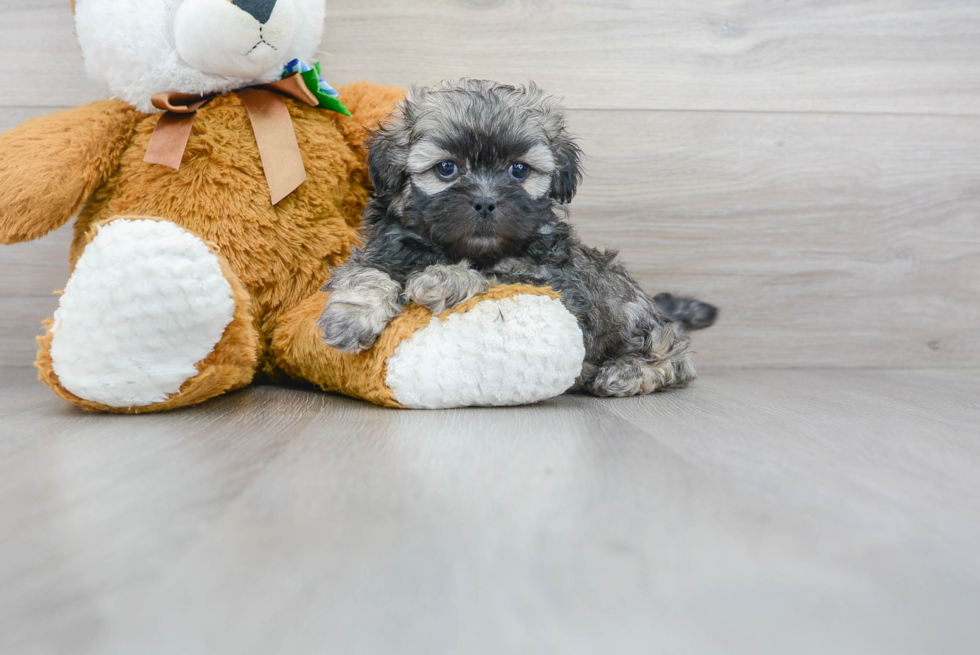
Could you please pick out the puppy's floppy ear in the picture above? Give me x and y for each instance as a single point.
(389, 144)
(568, 167)
(386, 161)
(568, 156)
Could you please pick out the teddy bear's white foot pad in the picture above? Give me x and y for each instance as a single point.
(146, 302)
(510, 351)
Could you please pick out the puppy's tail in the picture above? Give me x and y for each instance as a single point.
(689, 312)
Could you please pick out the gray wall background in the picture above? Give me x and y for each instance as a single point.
(813, 167)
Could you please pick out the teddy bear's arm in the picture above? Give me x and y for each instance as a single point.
(51, 164)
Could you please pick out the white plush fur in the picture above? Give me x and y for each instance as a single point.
(502, 352)
(147, 301)
(131, 45)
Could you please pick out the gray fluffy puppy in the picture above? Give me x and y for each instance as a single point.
(471, 179)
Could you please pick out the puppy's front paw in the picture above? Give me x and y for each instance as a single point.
(349, 328)
(362, 302)
(441, 287)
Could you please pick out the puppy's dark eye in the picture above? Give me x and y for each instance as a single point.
(519, 171)
(447, 170)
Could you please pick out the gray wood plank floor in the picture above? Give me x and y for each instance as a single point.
(757, 512)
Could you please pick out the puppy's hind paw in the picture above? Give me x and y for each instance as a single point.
(440, 287)
(664, 364)
(635, 376)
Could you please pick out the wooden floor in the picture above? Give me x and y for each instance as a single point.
(757, 512)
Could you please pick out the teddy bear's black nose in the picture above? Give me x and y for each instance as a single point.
(259, 9)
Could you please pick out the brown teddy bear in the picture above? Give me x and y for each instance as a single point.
(215, 193)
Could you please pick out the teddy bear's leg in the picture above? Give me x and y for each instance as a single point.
(510, 346)
(151, 319)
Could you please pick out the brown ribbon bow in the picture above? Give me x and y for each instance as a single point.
(271, 123)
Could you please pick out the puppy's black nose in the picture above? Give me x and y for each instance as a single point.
(260, 10)
(485, 206)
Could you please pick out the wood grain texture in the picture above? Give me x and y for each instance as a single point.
(30, 273)
(828, 240)
(42, 63)
(756, 512)
(905, 56)
(865, 56)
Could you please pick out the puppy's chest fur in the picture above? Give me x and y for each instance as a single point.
(545, 255)
(593, 285)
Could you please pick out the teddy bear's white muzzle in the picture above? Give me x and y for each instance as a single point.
(235, 38)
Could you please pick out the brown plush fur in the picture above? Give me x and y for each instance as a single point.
(275, 256)
(51, 164)
(281, 254)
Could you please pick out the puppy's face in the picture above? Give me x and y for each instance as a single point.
(475, 167)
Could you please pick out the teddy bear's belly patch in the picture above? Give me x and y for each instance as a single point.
(146, 302)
